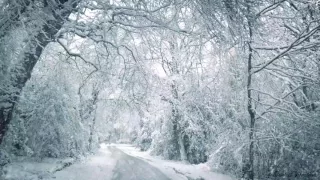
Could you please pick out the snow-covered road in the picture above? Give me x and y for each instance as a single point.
(112, 162)
(132, 168)
(125, 162)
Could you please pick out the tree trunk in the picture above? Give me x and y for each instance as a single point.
(93, 114)
(92, 127)
(249, 174)
(19, 75)
(252, 120)
(183, 154)
(177, 130)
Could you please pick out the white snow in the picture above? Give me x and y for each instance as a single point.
(31, 169)
(95, 167)
(100, 167)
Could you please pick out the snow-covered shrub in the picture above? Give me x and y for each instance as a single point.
(4, 158)
(144, 138)
(225, 160)
(293, 150)
(15, 141)
(196, 146)
(165, 143)
(46, 120)
(46, 124)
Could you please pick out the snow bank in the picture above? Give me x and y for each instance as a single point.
(31, 169)
(95, 167)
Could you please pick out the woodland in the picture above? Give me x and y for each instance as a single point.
(231, 83)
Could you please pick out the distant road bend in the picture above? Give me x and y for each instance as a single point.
(131, 168)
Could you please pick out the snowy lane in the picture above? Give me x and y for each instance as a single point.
(110, 163)
(131, 168)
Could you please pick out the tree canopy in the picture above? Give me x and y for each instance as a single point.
(233, 83)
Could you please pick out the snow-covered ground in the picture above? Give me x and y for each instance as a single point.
(94, 167)
(175, 170)
(31, 169)
(105, 165)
